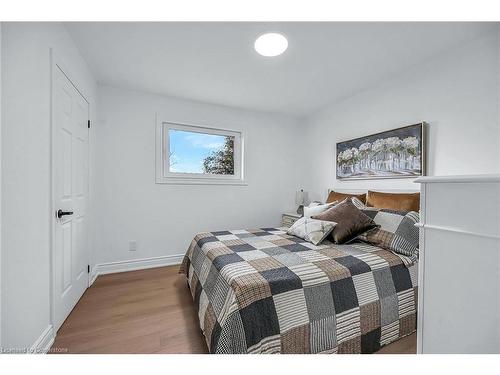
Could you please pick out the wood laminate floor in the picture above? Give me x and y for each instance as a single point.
(147, 311)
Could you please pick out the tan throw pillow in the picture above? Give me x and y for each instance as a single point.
(351, 222)
(394, 201)
(336, 196)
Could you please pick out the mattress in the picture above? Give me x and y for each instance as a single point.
(264, 291)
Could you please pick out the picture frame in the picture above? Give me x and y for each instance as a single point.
(395, 153)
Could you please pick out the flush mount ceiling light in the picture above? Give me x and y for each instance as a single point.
(271, 44)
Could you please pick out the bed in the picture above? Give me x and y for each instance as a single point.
(264, 291)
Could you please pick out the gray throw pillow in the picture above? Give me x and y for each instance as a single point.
(351, 222)
(358, 203)
(396, 231)
(311, 230)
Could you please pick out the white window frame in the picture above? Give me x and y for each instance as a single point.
(163, 174)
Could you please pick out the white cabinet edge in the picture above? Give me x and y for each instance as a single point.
(488, 178)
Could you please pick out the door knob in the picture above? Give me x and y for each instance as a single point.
(61, 213)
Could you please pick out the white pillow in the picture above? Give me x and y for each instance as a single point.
(358, 203)
(311, 230)
(313, 204)
(316, 210)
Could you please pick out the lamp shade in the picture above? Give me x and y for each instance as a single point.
(299, 197)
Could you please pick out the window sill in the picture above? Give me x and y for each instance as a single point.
(199, 181)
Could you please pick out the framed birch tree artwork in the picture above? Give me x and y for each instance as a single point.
(396, 153)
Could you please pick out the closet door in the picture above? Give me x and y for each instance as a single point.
(70, 191)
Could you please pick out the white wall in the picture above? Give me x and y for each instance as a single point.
(164, 218)
(26, 209)
(456, 93)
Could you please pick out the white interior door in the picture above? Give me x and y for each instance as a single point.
(70, 113)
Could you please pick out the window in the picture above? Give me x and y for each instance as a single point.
(189, 154)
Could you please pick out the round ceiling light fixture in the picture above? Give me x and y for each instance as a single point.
(271, 44)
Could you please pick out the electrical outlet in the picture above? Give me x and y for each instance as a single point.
(132, 246)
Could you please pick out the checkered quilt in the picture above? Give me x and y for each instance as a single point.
(263, 291)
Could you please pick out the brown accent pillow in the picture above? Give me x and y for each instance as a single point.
(351, 222)
(336, 196)
(394, 201)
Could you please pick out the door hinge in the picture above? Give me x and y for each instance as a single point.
(88, 268)
(88, 123)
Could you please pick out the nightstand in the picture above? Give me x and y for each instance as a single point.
(287, 220)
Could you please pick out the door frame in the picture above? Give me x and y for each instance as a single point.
(57, 63)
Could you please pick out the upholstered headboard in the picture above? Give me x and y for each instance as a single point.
(401, 200)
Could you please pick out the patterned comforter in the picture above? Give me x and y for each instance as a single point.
(263, 291)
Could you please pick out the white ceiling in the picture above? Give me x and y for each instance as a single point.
(216, 62)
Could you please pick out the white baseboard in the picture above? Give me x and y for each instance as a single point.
(134, 265)
(43, 344)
